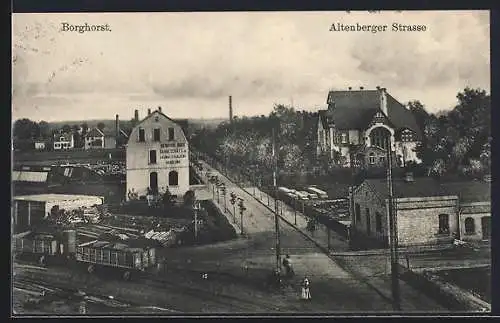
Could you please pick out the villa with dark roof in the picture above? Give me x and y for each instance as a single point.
(428, 211)
(360, 125)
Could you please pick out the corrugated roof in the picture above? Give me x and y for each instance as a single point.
(355, 109)
(27, 176)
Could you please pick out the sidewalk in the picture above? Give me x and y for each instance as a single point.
(371, 272)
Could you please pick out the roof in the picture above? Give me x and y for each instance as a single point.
(94, 132)
(27, 176)
(112, 133)
(467, 191)
(470, 191)
(177, 122)
(420, 187)
(54, 197)
(322, 115)
(67, 136)
(355, 109)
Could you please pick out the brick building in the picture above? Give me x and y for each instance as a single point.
(358, 125)
(428, 212)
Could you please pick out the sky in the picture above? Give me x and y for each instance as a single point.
(189, 63)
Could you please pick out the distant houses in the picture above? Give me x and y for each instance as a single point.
(64, 141)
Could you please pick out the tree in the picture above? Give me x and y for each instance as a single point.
(85, 128)
(66, 128)
(44, 129)
(25, 129)
(101, 126)
(189, 199)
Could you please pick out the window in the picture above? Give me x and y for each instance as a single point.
(486, 227)
(173, 178)
(444, 224)
(406, 136)
(378, 222)
(321, 137)
(344, 138)
(61, 138)
(469, 226)
(142, 137)
(371, 158)
(368, 227)
(170, 133)
(379, 137)
(152, 156)
(156, 134)
(381, 159)
(357, 212)
(157, 119)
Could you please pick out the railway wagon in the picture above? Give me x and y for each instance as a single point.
(41, 246)
(120, 256)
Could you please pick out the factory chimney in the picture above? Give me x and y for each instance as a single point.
(383, 99)
(117, 130)
(149, 112)
(136, 115)
(230, 109)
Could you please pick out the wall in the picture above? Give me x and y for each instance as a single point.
(476, 211)
(109, 142)
(366, 198)
(354, 137)
(411, 154)
(170, 155)
(418, 219)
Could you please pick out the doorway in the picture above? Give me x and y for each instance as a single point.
(153, 182)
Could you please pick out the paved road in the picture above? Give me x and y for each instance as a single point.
(339, 286)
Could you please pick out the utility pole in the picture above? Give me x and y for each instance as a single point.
(276, 219)
(393, 235)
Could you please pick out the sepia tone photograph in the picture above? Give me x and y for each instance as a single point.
(236, 163)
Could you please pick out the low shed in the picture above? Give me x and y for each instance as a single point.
(29, 209)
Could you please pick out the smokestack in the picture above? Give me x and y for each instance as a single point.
(230, 109)
(159, 108)
(136, 115)
(149, 112)
(117, 130)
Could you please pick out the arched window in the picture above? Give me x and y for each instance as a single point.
(378, 222)
(444, 224)
(371, 158)
(173, 178)
(469, 226)
(379, 137)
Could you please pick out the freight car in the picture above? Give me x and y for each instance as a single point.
(124, 258)
(62, 247)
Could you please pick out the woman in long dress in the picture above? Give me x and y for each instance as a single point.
(306, 292)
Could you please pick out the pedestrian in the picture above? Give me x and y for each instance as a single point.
(306, 292)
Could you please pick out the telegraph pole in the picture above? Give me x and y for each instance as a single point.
(393, 234)
(276, 219)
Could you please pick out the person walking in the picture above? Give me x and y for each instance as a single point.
(287, 263)
(306, 292)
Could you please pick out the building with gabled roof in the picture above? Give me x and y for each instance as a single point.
(157, 157)
(360, 125)
(428, 211)
(64, 140)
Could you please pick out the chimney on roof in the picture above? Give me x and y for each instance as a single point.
(349, 88)
(117, 130)
(149, 112)
(383, 99)
(159, 108)
(136, 115)
(409, 177)
(230, 109)
(361, 88)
